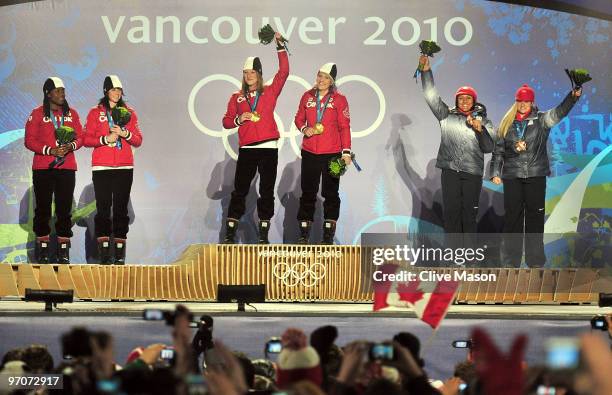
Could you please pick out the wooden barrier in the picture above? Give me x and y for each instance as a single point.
(291, 273)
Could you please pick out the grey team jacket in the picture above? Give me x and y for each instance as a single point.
(461, 147)
(508, 163)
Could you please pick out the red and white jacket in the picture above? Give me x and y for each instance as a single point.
(40, 138)
(336, 136)
(94, 135)
(265, 129)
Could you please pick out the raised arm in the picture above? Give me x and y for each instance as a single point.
(438, 107)
(555, 115)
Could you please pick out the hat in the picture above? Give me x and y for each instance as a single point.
(52, 83)
(111, 82)
(322, 339)
(411, 342)
(252, 63)
(331, 69)
(14, 368)
(297, 361)
(525, 93)
(467, 90)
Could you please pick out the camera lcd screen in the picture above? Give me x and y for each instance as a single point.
(461, 343)
(562, 353)
(167, 354)
(381, 351)
(274, 347)
(153, 315)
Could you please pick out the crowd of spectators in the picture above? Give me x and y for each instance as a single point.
(313, 365)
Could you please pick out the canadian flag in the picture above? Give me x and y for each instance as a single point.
(430, 307)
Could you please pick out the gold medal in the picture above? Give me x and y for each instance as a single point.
(255, 117)
(319, 128)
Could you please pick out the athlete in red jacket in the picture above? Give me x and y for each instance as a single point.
(323, 116)
(252, 111)
(113, 169)
(53, 168)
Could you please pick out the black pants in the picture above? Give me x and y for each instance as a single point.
(315, 169)
(250, 161)
(524, 200)
(112, 188)
(47, 184)
(460, 196)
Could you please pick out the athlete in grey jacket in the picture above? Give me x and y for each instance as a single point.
(466, 137)
(521, 160)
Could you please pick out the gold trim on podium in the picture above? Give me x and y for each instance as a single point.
(300, 273)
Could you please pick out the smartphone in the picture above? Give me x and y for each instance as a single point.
(562, 353)
(167, 354)
(462, 344)
(381, 352)
(274, 346)
(599, 323)
(153, 315)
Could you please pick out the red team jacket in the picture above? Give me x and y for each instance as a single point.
(97, 128)
(266, 129)
(40, 138)
(336, 120)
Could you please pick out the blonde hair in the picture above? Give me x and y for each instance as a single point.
(507, 120)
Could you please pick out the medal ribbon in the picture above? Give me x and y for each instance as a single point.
(57, 161)
(111, 123)
(320, 111)
(520, 132)
(55, 122)
(254, 106)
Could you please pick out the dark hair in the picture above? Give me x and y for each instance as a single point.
(466, 371)
(47, 107)
(247, 368)
(104, 101)
(38, 358)
(76, 343)
(260, 85)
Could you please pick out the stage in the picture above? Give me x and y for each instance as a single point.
(291, 273)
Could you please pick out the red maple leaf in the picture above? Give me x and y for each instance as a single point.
(410, 291)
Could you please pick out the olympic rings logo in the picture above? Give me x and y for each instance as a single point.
(299, 273)
(293, 132)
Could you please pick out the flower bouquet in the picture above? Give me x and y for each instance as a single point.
(266, 36)
(121, 117)
(337, 166)
(63, 135)
(578, 77)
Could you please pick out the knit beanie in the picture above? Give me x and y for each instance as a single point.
(52, 83)
(525, 93)
(331, 69)
(111, 82)
(297, 361)
(252, 63)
